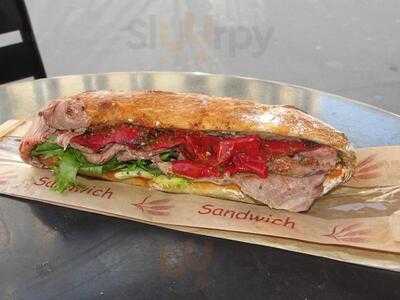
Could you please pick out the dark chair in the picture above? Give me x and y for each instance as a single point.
(20, 60)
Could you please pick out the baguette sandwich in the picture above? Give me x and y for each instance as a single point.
(191, 143)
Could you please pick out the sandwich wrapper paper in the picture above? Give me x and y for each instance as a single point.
(358, 222)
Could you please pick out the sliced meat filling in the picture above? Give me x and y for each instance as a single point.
(305, 163)
(132, 154)
(285, 174)
(37, 134)
(104, 156)
(64, 138)
(277, 191)
(282, 192)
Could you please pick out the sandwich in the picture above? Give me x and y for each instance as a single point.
(220, 147)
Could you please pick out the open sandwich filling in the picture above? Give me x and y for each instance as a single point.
(273, 168)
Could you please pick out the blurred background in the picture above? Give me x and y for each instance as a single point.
(346, 47)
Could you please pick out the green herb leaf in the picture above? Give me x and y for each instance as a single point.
(150, 167)
(169, 155)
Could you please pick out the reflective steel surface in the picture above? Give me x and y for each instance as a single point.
(49, 252)
(365, 125)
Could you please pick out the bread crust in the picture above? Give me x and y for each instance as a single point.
(188, 111)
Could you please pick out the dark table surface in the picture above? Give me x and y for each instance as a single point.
(48, 252)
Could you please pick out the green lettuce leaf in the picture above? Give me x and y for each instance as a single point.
(139, 168)
(93, 169)
(66, 172)
(171, 182)
(48, 149)
(144, 165)
(72, 161)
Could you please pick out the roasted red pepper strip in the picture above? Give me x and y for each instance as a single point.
(229, 147)
(167, 141)
(242, 162)
(123, 134)
(284, 147)
(205, 155)
(201, 147)
(194, 169)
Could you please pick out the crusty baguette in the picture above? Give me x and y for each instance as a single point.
(188, 111)
(158, 109)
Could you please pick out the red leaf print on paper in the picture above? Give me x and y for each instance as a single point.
(5, 176)
(161, 207)
(157, 213)
(161, 201)
(154, 207)
(349, 233)
(3, 179)
(356, 233)
(353, 240)
(367, 168)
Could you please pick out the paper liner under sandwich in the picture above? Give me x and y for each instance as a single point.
(355, 223)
